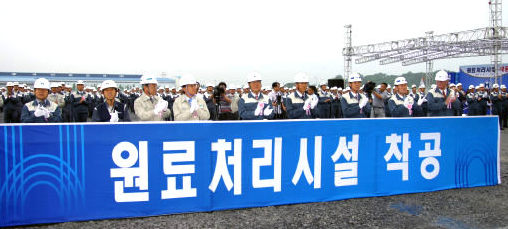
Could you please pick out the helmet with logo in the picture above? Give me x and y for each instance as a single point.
(108, 84)
(42, 83)
(442, 75)
(355, 77)
(254, 77)
(145, 79)
(399, 80)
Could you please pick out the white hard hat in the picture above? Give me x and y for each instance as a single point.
(42, 83)
(54, 84)
(471, 87)
(22, 85)
(16, 83)
(495, 85)
(166, 87)
(301, 78)
(442, 75)
(339, 89)
(347, 89)
(399, 80)
(9, 84)
(452, 85)
(323, 83)
(108, 84)
(503, 86)
(477, 87)
(422, 86)
(333, 88)
(187, 79)
(80, 82)
(148, 80)
(254, 76)
(389, 86)
(355, 77)
(210, 85)
(413, 86)
(481, 85)
(459, 84)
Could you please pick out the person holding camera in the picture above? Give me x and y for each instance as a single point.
(276, 96)
(222, 102)
(255, 105)
(354, 104)
(110, 110)
(379, 99)
(298, 104)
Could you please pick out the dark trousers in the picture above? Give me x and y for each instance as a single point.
(12, 115)
(80, 116)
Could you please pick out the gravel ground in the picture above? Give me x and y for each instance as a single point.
(483, 207)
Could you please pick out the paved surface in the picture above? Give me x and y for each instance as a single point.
(483, 207)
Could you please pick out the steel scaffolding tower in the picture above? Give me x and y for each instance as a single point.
(490, 41)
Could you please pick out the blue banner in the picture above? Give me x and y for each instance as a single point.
(57, 173)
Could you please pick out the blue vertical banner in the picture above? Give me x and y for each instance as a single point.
(69, 172)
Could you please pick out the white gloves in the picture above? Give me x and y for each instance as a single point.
(313, 101)
(194, 106)
(306, 104)
(160, 107)
(114, 117)
(41, 111)
(267, 111)
(408, 102)
(363, 102)
(259, 109)
(421, 101)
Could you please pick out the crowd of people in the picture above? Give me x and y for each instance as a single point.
(57, 102)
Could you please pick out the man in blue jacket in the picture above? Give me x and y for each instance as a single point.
(401, 104)
(255, 105)
(299, 105)
(110, 110)
(353, 103)
(41, 110)
(441, 100)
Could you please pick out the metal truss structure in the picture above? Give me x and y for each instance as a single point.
(490, 41)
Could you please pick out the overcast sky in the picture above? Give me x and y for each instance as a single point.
(218, 39)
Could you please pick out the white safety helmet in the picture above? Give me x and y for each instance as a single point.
(442, 75)
(389, 86)
(355, 77)
(80, 82)
(333, 88)
(301, 78)
(471, 87)
(422, 86)
(339, 89)
(495, 85)
(187, 79)
(452, 85)
(253, 77)
(399, 80)
(347, 89)
(503, 86)
(108, 84)
(42, 83)
(481, 85)
(148, 80)
(9, 84)
(210, 85)
(413, 86)
(15, 83)
(323, 83)
(459, 84)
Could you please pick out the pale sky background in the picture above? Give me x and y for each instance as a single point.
(221, 39)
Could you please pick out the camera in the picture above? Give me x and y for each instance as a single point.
(218, 91)
(368, 88)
